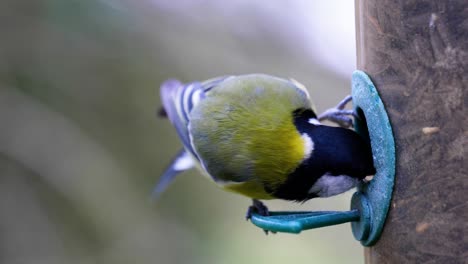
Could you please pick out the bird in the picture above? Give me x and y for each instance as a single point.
(259, 136)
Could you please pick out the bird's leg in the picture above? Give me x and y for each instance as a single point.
(338, 114)
(259, 208)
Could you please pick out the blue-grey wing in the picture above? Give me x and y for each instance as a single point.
(178, 100)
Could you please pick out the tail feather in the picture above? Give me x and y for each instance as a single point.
(182, 162)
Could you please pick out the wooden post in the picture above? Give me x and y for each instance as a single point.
(416, 52)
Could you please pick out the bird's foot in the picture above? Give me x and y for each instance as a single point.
(257, 207)
(339, 115)
(260, 208)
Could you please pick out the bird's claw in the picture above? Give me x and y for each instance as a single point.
(259, 208)
(339, 115)
(341, 105)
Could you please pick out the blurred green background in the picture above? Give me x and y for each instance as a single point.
(81, 148)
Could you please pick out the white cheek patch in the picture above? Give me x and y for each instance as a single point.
(308, 146)
(314, 121)
(329, 185)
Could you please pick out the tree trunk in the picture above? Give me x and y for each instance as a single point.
(416, 52)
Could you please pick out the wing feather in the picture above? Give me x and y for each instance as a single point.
(178, 101)
(181, 162)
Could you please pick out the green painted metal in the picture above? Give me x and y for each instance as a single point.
(295, 222)
(377, 192)
(361, 228)
(370, 204)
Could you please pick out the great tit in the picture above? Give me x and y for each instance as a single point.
(259, 136)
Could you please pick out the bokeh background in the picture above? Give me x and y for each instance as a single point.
(81, 147)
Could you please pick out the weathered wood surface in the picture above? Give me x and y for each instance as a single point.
(417, 54)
